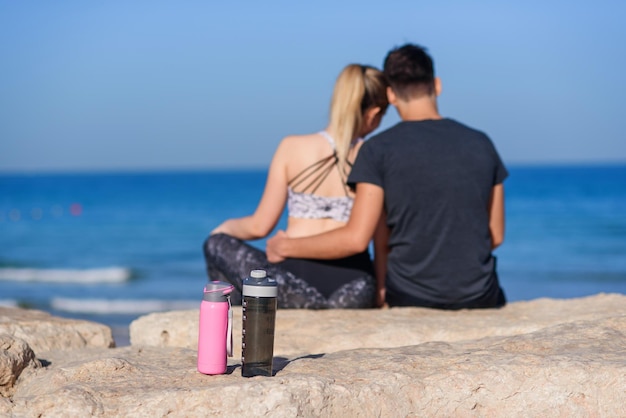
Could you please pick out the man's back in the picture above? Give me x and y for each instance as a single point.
(437, 177)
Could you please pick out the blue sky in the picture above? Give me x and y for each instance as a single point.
(145, 85)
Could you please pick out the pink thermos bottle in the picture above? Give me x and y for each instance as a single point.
(215, 338)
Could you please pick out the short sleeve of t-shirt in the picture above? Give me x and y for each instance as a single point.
(501, 173)
(366, 168)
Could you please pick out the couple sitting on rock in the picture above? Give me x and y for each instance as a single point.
(428, 191)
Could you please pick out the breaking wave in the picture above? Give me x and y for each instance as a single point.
(75, 276)
(120, 306)
(8, 303)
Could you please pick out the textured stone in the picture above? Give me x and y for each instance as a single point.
(324, 331)
(44, 332)
(15, 356)
(541, 358)
(577, 369)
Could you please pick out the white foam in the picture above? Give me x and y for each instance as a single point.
(8, 303)
(120, 306)
(86, 276)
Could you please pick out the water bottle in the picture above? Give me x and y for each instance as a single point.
(259, 319)
(215, 337)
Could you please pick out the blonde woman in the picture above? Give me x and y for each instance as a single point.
(308, 173)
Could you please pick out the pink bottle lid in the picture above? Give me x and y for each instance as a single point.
(217, 291)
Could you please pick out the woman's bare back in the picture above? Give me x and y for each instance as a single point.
(305, 151)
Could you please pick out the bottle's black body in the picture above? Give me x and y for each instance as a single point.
(259, 318)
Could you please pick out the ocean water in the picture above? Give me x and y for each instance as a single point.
(112, 247)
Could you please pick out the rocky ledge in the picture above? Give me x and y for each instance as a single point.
(539, 358)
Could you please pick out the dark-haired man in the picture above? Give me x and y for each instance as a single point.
(439, 183)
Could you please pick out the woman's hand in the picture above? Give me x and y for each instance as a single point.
(273, 247)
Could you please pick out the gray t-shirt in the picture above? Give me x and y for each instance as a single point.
(437, 177)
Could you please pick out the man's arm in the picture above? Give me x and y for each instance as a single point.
(496, 215)
(350, 239)
(381, 252)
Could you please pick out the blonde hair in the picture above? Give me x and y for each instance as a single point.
(357, 89)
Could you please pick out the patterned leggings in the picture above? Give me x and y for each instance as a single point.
(230, 260)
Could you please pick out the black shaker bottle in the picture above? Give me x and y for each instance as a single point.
(259, 318)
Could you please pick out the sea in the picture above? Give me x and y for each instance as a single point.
(111, 247)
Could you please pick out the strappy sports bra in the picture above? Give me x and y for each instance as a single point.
(306, 204)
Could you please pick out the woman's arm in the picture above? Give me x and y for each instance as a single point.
(496, 215)
(381, 250)
(271, 205)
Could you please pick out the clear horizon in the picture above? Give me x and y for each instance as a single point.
(157, 86)
(214, 168)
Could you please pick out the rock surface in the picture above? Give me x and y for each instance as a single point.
(539, 358)
(15, 356)
(44, 332)
(325, 331)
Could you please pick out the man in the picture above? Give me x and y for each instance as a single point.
(439, 183)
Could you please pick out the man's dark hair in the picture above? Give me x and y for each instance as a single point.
(410, 71)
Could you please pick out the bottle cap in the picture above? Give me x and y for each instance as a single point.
(258, 274)
(259, 284)
(217, 291)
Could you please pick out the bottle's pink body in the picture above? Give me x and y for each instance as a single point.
(212, 337)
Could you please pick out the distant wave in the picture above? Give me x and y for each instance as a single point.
(8, 303)
(120, 306)
(76, 276)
